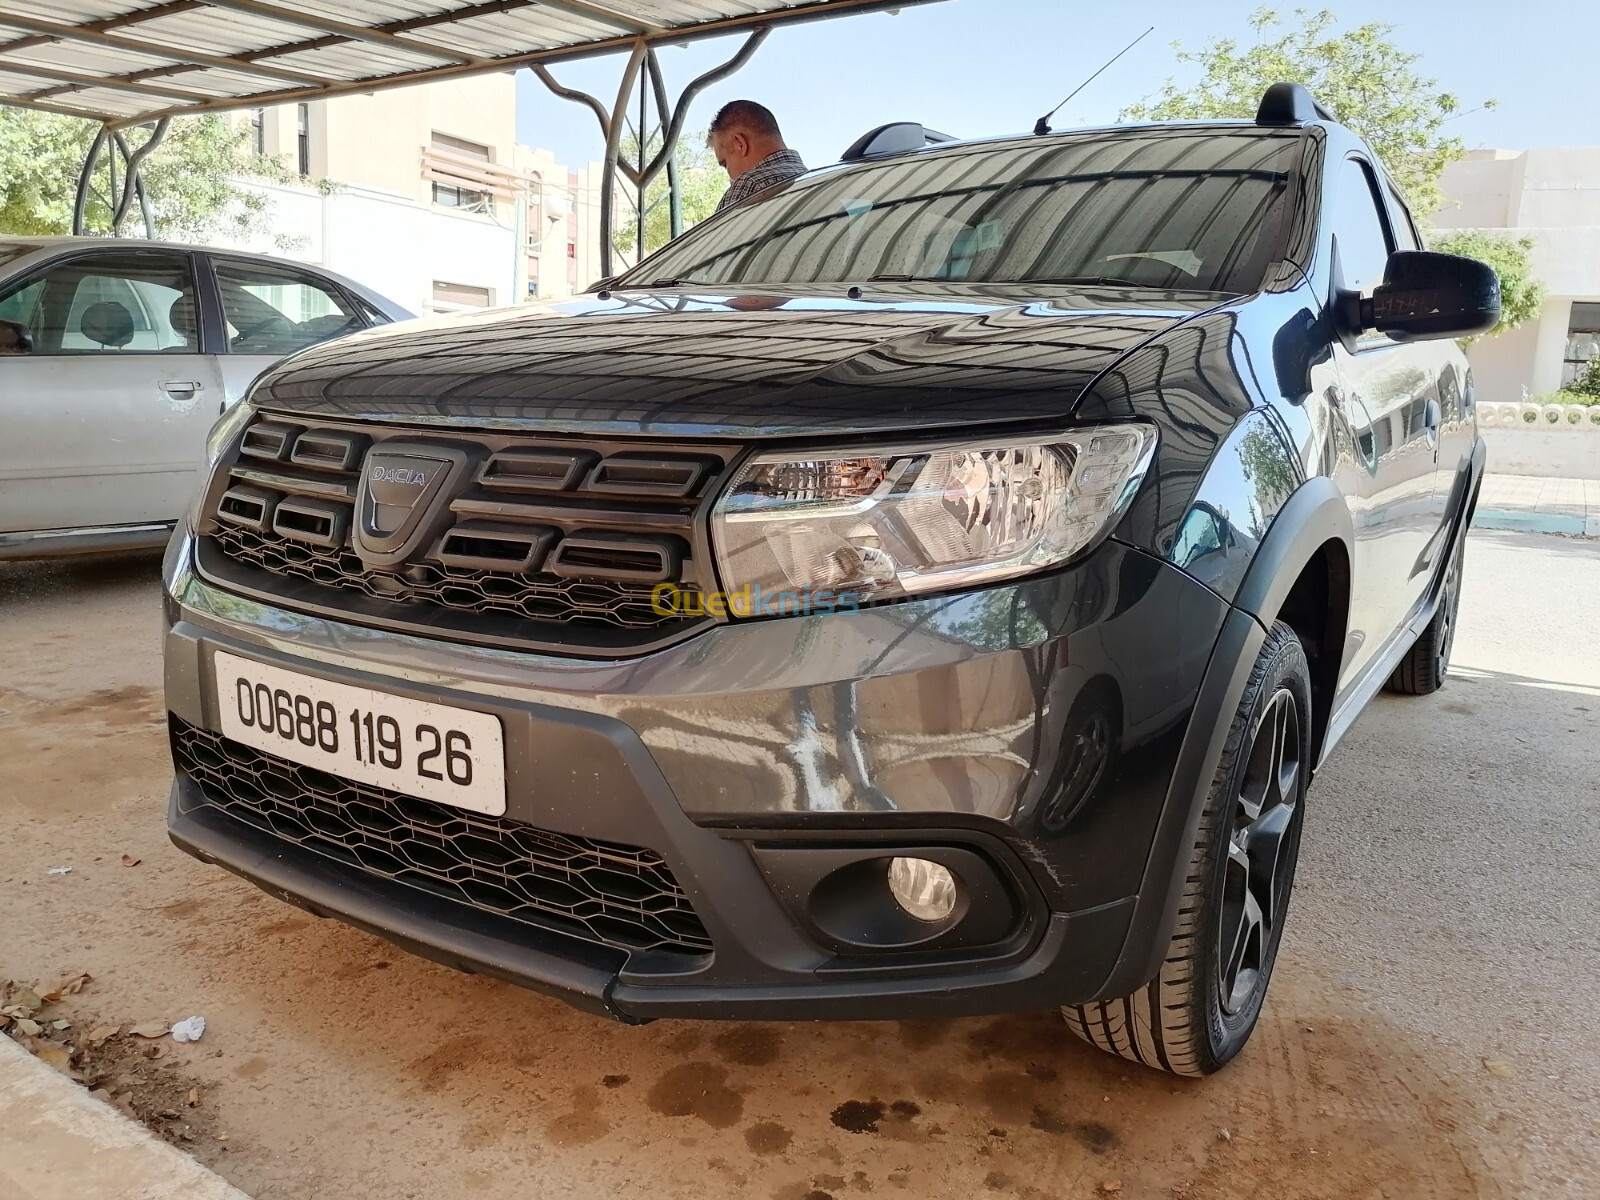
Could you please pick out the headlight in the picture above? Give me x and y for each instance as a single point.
(223, 434)
(898, 522)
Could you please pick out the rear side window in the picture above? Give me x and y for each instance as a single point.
(274, 310)
(1359, 232)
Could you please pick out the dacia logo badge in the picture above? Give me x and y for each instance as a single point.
(402, 497)
(398, 475)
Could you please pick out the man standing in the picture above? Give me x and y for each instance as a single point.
(748, 145)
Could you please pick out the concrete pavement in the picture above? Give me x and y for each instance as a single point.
(59, 1143)
(1431, 1033)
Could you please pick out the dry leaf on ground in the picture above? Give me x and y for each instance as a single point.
(150, 1029)
(68, 987)
(129, 860)
(59, 1057)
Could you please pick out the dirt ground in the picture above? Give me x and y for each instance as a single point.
(1432, 1030)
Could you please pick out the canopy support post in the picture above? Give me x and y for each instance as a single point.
(108, 144)
(642, 172)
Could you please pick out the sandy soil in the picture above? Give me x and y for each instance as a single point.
(1447, 915)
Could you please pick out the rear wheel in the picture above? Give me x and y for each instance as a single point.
(1199, 1010)
(1423, 669)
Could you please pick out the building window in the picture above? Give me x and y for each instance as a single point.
(1583, 340)
(258, 130)
(452, 297)
(452, 195)
(303, 138)
(454, 189)
(462, 147)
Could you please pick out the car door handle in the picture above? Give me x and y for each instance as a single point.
(181, 389)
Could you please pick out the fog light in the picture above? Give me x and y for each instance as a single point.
(924, 889)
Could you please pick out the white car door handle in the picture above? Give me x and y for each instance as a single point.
(183, 388)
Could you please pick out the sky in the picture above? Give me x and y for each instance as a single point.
(979, 67)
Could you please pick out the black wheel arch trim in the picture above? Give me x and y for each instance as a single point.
(1315, 513)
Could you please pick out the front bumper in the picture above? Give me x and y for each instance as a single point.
(1036, 726)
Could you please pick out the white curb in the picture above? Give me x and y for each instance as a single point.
(59, 1143)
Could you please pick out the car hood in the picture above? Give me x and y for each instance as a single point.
(763, 363)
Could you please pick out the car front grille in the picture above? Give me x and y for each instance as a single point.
(603, 893)
(545, 542)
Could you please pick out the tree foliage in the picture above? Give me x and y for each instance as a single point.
(1367, 82)
(1587, 385)
(190, 177)
(702, 183)
(1521, 295)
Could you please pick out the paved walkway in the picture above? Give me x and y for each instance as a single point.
(57, 1142)
(1540, 505)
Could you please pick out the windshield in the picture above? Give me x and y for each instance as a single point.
(1158, 208)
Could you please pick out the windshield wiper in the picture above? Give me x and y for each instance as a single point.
(1090, 280)
(892, 278)
(666, 283)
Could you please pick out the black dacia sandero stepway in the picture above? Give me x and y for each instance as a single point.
(925, 589)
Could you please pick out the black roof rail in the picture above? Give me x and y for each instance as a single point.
(1289, 104)
(897, 137)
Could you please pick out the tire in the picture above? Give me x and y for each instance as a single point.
(1199, 1010)
(1422, 671)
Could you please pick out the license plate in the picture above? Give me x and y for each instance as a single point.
(434, 751)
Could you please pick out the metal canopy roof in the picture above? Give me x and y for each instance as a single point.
(124, 65)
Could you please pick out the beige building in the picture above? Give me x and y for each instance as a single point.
(1553, 197)
(423, 194)
(562, 225)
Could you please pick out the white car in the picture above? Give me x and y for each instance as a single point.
(116, 356)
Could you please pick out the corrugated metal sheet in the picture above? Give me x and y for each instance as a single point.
(122, 61)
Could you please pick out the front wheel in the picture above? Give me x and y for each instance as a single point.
(1200, 1009)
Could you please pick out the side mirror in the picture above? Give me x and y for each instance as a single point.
(1425, 295)
(15, 338)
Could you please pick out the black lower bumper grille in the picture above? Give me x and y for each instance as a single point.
(604, 893)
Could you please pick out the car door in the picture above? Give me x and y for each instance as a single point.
(1388, 393)
(270, 310)
(105, 421)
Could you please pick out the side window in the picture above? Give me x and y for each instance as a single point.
(1358, 229)
(117, 303)
(1405, 229)
(274, 310)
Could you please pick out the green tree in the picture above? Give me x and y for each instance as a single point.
(1587, 385)
(1521, 295)
(190, 177)
(1365, 80)
(702, 181)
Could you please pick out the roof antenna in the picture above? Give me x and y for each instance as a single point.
(1042, 125)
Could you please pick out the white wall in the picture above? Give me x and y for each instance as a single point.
(1552, 196)
(1557, 453)
(395, 245)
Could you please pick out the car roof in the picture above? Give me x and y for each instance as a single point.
(39, 244)
(1221, 125)
(74, 241)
